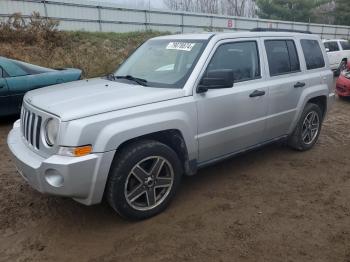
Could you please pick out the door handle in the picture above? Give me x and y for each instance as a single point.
(299, 84)
(257, 93)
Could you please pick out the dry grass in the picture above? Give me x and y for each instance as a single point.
(39, 42)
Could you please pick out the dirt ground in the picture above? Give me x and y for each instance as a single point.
(273, 204)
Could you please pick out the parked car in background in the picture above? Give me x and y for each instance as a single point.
(338, 51)
(343, 82)
(178, 103)
(16, 78)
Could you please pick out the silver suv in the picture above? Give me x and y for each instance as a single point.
(178, 103)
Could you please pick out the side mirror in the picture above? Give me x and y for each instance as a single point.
(327, 50)
(214, 79)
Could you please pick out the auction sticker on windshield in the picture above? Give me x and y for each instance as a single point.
(180, 46)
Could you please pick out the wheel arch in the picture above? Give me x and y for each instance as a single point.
(316, 94)
(321, 101)
(170, 137)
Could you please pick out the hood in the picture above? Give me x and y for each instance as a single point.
(95, 96)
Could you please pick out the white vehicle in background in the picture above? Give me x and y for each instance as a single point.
(338, 51)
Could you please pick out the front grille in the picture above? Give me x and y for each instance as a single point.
(31, 127)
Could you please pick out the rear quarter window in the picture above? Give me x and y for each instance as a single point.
(313, 54)
(345, 45)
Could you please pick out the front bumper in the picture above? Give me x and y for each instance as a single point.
(81, 178)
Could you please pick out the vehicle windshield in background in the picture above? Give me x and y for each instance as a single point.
(163, 63)
(345, 45)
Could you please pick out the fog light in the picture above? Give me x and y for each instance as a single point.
(54, 178)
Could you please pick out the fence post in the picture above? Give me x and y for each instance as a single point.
(146, 19)
(182, 22)
(322, 32)
(348, 34)
(335, 33)
(45, 9)
(99, 17)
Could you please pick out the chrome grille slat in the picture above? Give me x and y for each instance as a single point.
(32, 122)
(22, 117)
(38, 128)
(31, 126)
(26, 124)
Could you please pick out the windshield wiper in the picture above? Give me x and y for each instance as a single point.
(110, 77)
(140, 81)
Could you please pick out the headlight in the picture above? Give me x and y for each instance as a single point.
(51, 131)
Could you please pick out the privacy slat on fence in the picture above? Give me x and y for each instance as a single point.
(96, 16)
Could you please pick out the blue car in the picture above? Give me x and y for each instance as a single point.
(16, 78)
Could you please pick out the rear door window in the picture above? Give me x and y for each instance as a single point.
(282, 56)
(313, 54)
(332, 46)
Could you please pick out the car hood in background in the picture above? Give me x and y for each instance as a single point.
(90, 97)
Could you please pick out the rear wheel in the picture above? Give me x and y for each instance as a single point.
(308, 128)
(143, 180)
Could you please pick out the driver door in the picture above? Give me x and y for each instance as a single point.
(233, 119)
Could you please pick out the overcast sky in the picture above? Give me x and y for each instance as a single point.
(138, 3)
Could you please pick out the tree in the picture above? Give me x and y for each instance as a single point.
(342, 12)
(291, 10)
(225, 7)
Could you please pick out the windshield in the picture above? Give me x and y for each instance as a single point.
(30, 69)
(163, 63)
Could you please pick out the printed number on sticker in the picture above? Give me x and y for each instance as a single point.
(180, 46)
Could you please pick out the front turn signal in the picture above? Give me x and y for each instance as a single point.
(75, 151)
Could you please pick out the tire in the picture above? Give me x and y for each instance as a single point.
(131, 175)
(298, 140)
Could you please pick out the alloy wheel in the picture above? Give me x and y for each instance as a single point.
(149, 183)
(311, 126)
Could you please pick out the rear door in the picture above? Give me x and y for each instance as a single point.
(286, 82)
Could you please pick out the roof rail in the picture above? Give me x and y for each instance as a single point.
(259, 29)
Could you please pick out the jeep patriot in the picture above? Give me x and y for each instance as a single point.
(178, 103)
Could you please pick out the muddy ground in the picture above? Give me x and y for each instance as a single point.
(273, 204)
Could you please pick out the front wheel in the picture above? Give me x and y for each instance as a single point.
(143, 180)
(308, 128)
